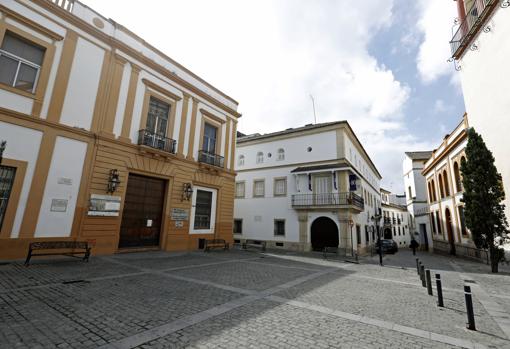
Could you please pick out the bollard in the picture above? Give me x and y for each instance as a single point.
(469, 307)
(417, 266)
(419, 269)
(422, 274)
(439, 291)
(429, 282)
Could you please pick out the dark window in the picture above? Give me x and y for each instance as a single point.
(458, 180)
(157, 118)
(20, 62)
(358, 234)
(203, 207)
(6, 181)
(462, 220)
(367, 236)
(433, 222)
(279, 227)
(438, 220)
(238, 226)
(209, 142)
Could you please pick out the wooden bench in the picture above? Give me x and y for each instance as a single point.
(254, 243)
(67, 248)
(215, 243)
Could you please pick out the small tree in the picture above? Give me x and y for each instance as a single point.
(483, 196)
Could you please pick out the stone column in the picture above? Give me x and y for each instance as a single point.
(303, 231)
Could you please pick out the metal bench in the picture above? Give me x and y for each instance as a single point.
(215, 243)
(254, 243)
(67, 248)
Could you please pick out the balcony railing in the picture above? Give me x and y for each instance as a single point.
(211, 159)
(475, 18)
(153, 140)
(65, 4)
(328, 199)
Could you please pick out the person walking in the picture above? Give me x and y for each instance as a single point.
(414, 245)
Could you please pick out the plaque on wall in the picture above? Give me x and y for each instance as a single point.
(104, 205)
(179, 214)
(58, 205)
(179, 224)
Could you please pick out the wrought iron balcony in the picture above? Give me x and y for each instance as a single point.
(475, 19)
(328, 200)
(153, 140)
(211, 159)
(65, 4)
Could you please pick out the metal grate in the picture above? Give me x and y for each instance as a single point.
(6, 181)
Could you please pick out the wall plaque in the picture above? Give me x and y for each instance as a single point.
(58, 205)
(179, 224)
(179, 214)
(104, 205)
(65, 181)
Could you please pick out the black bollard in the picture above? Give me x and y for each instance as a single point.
(439, 291)
(422, 275)
(419, 269)
(429, 282)
(417, 266)
(469, 307)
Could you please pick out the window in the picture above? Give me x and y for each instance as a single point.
(438, 222)
(433, 222)
(20, 62)
(6, 182)
(281, 154)
(440, 179)
(410, 192)
(240, 190)
(260, 157)
(279, 227)
(446, 184)
(240, 161)
(462, 221)
(203, 209)
(433, 185)
(456, 173)
(238, 226)
(210, 136)
(258, 188)
(157, 118)
(358, 234)
(367, 236)
(280, 187)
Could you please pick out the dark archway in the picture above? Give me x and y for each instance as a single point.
(449, 230)
(387, 233)
(324, 233)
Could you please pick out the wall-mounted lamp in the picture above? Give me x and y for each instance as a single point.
(2, 149)
(187, 191)
(113, 181)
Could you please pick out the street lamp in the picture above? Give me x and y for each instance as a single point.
(376, 219)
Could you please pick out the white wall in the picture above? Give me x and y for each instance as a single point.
(81, 93)
(66, 163)
(485, 82)
(16, 102)
(23, 145)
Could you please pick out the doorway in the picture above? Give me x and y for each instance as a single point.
(143, 212)
(387, 234)
(425, 238)
(324, 233)
(449, 230)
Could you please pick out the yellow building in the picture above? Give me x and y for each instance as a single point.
(108, 140)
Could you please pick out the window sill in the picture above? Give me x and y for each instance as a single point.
(17, 91)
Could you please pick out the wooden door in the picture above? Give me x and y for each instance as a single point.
(143, 212)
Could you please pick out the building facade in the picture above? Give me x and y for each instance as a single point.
(444, 192)
(108, 139)
(305, 189)
(396, 220)
(481, 49)
(416, 197)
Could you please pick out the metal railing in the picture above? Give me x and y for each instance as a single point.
(474, 19)
(65, 4)
(328, 199)
(153, 140)
(211, 159)
(443, 247)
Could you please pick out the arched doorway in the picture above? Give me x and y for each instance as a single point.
(387, 233)
(449, 230)
(324, 233)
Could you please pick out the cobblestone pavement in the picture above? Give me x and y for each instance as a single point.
(243, 299)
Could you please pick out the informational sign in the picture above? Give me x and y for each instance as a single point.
(104, 205)
(58, 205)
(352, 182)
(65, 181)
(149, 223)
(179, 214)
(179, 224)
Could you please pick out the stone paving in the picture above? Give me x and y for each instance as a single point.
(241, 299)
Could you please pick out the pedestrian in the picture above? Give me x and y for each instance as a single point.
(414, 245)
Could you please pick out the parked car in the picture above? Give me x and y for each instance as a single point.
(388, 246)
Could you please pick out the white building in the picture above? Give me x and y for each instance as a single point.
(444, 184)
(395, 222)
(481, 49)
(306, 188)
(416, 196)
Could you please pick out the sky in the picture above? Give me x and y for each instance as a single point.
(379, 64)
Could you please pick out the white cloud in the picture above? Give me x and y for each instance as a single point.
(271, 55)
(435, 23)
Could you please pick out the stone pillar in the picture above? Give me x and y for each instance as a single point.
(303, 231)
